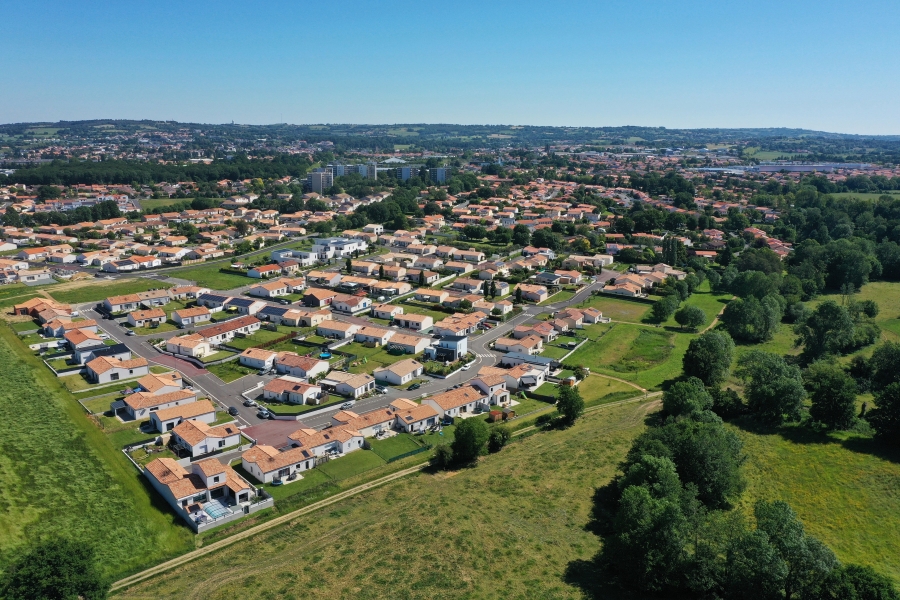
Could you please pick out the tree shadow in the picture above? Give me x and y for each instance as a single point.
(596, 582)
(807, 435)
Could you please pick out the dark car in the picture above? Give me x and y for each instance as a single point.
(414, 386)
(233, 411)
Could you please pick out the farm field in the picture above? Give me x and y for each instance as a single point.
(521, 551)
(61, 475)
(97, 290)
(210, 276)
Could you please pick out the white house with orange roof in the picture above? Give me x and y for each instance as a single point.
(197, 438)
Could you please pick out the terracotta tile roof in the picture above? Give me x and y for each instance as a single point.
(154, 382)
(153, 313)
(78, 336)
(124, 299)
(258, 353)
(195, 311)
(268, 459)
(227, 326)
(193, 431)
(290, 359)
(306, 439)
(459, 397)
(402, 368)
(419, 413)
(141, 400)
(102, 364)
(186, 411)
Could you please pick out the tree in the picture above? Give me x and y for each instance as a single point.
(521, 235)
(519, 295)
(49, 192)
(469, 440)
(853, 582)
(759, 259)
(544, 238)
(833, 394)
(493, 289)
(664, 308)
(709, 357)
(580, 373)
(885, 365)
(807, 559)
(498, 438)
(56, 568)
(753, 568)
(465, 304)
(686, 397)
(773, 388)
(421, 277)
(349, 265)
(885, 417)
(690, 317)
(380, 271)
(828, 329)
(569, 403)
(11, 217)
(443, 456)
(474, 232)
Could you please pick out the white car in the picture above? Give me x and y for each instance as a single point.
(466, 367)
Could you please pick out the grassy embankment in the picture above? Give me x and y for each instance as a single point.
(60, 475)
(95, 290)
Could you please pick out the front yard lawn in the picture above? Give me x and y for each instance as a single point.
(230, 371)
(258, 338)
(354, 463)
(368, 359)
(161, 328)
(554, 352)
(217, 356)
(24, 326)
(101, 405)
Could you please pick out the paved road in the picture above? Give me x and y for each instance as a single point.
(229, 394)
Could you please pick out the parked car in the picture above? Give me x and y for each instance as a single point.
(414, 386)
(466, 367)
(233, 411)
(346, 405)
(249, 403)
(263, 414)
(130, 332)
(284, 301)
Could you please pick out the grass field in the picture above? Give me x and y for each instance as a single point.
(61, 475)
(619, 310)
(96, 290)
(644, 355)
(151, 203)
(210, 276)
(711, 304)
(843, 487)
(506, 529)
(259, 337)
(161, 328)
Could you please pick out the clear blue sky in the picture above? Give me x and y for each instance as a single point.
(821, 64)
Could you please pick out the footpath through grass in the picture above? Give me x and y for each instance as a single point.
(60, 475)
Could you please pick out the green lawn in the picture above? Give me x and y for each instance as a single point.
(351, 464)
(161, 328)
(843, 487)
(281, 408)
(210, 276)
(11, 301)
(230, 371)
(394, 446)
(711, 304)
(554, 351)
(421, 309)
(217, 356)
(374, 357)
(311, 479)
(101, 404)
(24, 326)
(600, 390)
(560, 296)
(97, 290)
(259, 337)
(62, 476)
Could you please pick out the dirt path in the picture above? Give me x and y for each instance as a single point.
(716, 320)
(634, 385)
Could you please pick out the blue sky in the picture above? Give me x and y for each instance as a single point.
(825, 65)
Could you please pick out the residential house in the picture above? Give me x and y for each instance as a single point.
(194, 345)
(367, 424)
(245, 306)
(494, 389)
(197, 438)
(187, 317)
(452, 403)
(300, 366)
(257, 358)
(264, 271)
(449, 348)
(119, 304)
(337, 330)
(222, 333)
(60, 325)
(338, 440)
(417, 417)
(187, 490)
(531, 344)
(106, 370)
(349, 384)
(316, 297)
(400, 372)
(267, 464)
(79, 339)
(408, 344)
(140, 404)
(168, 418)
(533, 293)
(351, 305)
(415, 322)
(386, 311)
(292, 389)
(270, 289)
(434, 296)
(160, 383)
(147, 318)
